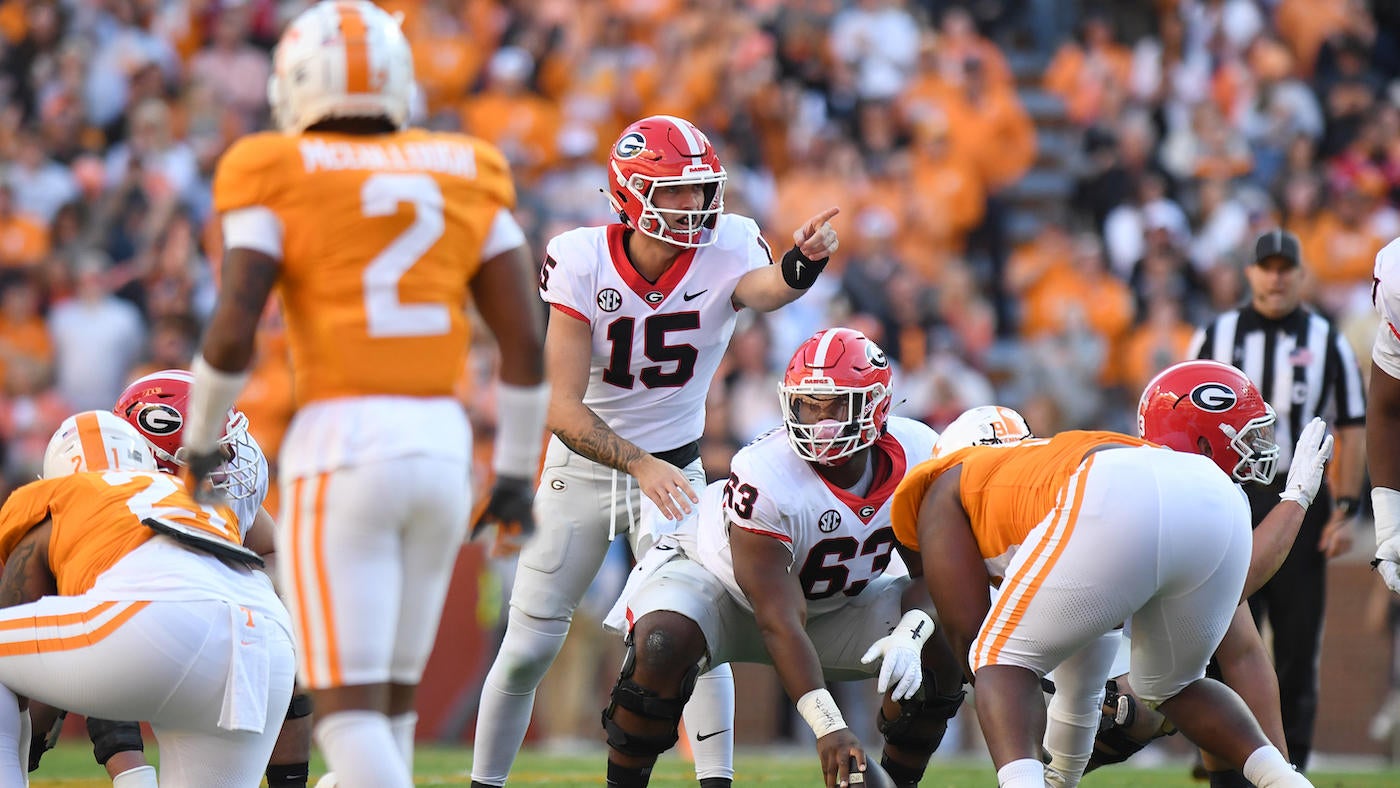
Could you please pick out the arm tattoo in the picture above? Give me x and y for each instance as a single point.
(18, 575)
(600, 444)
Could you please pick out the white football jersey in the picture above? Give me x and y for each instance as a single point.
(656, 346)
(839, 542)
(247, 506)
(1385, 292)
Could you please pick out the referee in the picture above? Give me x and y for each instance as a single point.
(1303, 368)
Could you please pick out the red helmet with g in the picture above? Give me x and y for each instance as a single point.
(835, 395)
(661, 151)
(1213, 409)
(157, 405)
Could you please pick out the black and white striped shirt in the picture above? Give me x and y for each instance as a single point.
(1302, 365)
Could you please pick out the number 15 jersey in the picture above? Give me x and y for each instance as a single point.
(839, 541)
(656, 346)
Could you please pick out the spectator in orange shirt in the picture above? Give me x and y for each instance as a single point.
(1162, 339)
(1342, 254)
(947, 199)
(511, 116)
(23, 334)
(1091, 73)
(23, 241)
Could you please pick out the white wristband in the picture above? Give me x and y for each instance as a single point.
(918, 624)
(212, 393)
(520, 420)
(1386, 503)
(819, 709)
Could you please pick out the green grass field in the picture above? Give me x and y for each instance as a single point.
(71, 766)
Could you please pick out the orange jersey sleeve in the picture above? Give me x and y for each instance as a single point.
(380, 237)
(1006, 490)
(97, 519)
(25, 508)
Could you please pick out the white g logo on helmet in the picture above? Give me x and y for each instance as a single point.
(343, 59)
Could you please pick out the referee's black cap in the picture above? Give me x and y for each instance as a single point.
(1278, 243)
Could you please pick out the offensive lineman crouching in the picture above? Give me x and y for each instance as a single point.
(793, 565)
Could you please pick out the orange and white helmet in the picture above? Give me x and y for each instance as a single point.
(985, 425)
(341, 59)
(96, 440)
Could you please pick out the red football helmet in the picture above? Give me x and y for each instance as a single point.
(664, 150)
(157, 405)
(842, 379)
(1208, 401)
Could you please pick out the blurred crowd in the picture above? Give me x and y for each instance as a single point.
(1039, 198)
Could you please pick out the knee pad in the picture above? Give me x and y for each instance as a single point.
(1115, 742)
(109, 738)
(644, 703)
(299, 707)
(923, 719)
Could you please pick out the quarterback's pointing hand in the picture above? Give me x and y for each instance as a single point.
(816, 238)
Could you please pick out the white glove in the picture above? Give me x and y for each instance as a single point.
(1309, 458)
(902, 654)
(1386, 503)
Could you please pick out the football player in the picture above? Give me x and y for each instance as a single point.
(641, 312)
(1100, 531)
(1383, 415)
(156, 405)
(1213, 409)
(375, 236)
(793, 565)
(127, 599)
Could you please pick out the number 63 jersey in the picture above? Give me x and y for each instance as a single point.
(839, 542)
(656, 345)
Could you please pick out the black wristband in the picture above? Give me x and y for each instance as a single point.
(799, 272)
(1348, 504)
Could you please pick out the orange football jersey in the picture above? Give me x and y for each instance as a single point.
(97, 519)
(1006, 490)
(380, 236)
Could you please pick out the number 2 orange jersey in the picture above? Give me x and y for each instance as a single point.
(97, 519)
(1006, 490)
(380, 236)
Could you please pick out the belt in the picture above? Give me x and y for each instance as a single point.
(680, 456)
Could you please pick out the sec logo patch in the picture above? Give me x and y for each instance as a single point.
(609, 300)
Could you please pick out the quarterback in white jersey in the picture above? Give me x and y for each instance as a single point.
(795, 566)
(1383, 415)
(641, 312)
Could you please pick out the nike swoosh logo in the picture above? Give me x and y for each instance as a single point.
(691, 297)
(704, 736)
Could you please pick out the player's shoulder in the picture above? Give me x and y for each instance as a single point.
(264, 151)
(579, 246)
(1387, 271)
(253, 170)
(737, 234)
(767, 458)
(916, 437)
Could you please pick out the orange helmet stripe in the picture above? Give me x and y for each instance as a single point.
(352, 29)
(90, 436)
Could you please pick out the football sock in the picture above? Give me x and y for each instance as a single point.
(508, 695)
(288, 775)
(140, 777)
(627, 777)
(360, 748)
(403, 726)
(1267, 768)
(710, 713)
(1023, 773)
